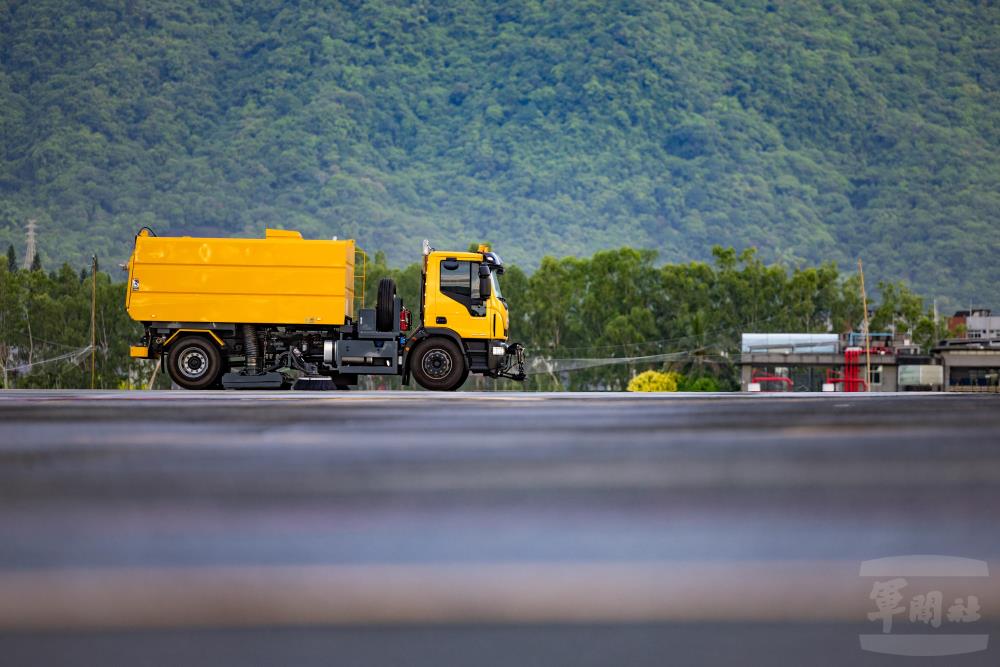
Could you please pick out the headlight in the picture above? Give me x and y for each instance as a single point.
(499, 350)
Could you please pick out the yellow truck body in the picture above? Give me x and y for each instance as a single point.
(280, 279)
(278, 312)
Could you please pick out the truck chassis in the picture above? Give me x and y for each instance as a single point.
(200, 355)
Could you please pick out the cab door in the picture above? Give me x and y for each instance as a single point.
(457, 303)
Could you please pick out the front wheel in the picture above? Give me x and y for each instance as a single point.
(438, 365)
(194, 362)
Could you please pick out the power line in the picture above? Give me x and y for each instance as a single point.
(52, 342)
(712, 332)
(540, 365)
(543, 365)
(75, 355)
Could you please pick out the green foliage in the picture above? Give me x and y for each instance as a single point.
(45, 316)
(903, 311)
(700, 384)
(649, 381)
(814, 131)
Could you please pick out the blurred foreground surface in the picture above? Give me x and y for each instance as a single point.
(484, 529)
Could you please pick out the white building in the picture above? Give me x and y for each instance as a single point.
(982, 324)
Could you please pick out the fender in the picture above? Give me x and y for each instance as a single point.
(211, 333)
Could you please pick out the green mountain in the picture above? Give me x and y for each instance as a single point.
(812, 130)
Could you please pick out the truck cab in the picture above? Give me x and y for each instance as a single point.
(462, 309)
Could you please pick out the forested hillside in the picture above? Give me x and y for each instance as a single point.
(812, 130)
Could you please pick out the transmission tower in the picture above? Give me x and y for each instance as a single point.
(29, 254)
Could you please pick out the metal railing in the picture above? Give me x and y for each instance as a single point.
(359, 295)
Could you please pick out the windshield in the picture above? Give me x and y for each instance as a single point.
(495, 279)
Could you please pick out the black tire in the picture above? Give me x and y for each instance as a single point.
(438, 364)
(194, 362)
(385, 307)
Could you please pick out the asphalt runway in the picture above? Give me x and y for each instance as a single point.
(382, 528)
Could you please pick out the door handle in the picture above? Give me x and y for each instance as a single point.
(441, 320)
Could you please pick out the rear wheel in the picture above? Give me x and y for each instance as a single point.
(439, 365)
(385, 307)
(194, 362)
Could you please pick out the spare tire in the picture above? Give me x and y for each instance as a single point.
(385, 307)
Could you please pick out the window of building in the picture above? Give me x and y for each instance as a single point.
(975, 377)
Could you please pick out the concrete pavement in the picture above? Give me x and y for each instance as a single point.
(400, 523)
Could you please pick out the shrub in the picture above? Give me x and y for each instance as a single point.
(653, 381)
(701, 384)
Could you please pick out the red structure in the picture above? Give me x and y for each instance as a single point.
(851, 377)
(760, 379)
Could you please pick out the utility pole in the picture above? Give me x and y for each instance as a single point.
(93, 319)
(937, 327)
(868, 345)
(29, 253)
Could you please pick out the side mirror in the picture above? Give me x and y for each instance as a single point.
(485, 285)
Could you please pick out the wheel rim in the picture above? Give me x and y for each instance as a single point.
(193, 363)
(436, 364)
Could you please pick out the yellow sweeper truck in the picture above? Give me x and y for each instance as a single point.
(279, 312)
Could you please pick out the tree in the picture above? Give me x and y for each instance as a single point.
(899, 308)
(11, 258)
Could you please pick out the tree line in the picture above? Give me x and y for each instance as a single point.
(587, 323)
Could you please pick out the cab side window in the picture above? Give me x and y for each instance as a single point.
(460, 283)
